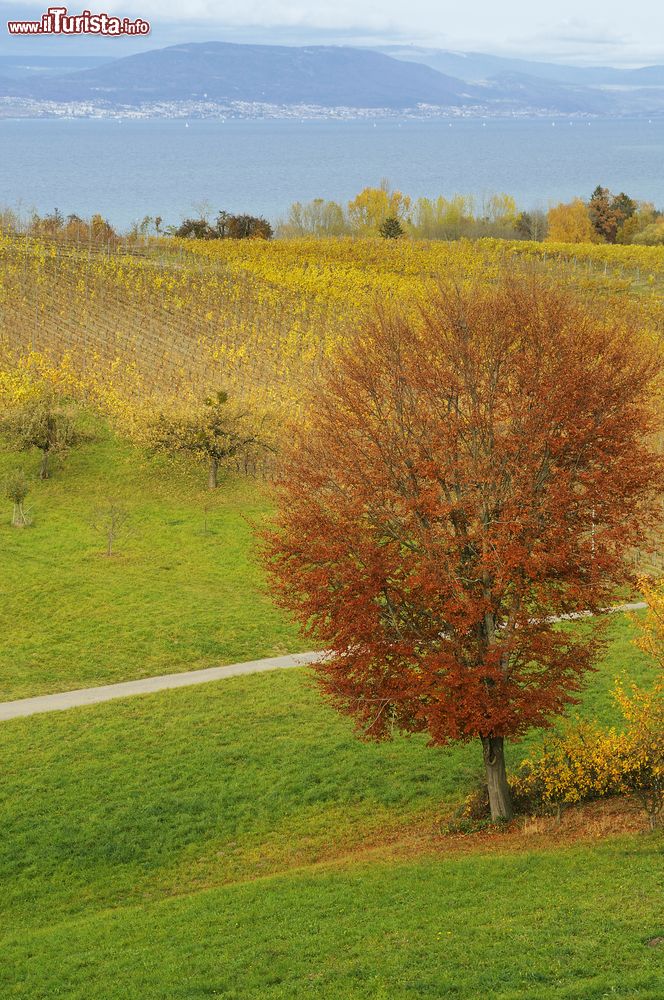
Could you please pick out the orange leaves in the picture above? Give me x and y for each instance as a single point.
(462, 479)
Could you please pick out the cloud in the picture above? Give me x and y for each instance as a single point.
(578, 41)
(608, 32)
(575, 31)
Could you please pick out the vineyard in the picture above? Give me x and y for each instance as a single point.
(254, 317)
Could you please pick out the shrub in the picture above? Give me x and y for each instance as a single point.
(17, 488)
(585, 762)
(643, 747)
(580, 764)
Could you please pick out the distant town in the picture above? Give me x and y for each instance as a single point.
(25, 107)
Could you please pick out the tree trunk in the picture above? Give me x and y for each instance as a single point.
(44, 471)
(19, 520)
(213, 474)
(500, 800)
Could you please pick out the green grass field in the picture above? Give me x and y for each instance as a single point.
(236, 839)
(571, 924)
(183, 590)
(214, 841)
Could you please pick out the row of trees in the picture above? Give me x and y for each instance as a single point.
(56, 225)
(98, 231)
(215, 432)
(382, 211)
(606, 218)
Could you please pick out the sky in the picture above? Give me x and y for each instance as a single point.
(586, 32)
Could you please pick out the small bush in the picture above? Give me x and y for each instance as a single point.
(643, 747)
(17, 488)
(581, 764)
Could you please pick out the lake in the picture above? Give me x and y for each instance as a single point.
(128, 169)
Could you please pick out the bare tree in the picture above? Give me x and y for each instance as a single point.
(112, 521)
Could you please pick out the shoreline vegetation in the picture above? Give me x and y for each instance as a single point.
(376, 212)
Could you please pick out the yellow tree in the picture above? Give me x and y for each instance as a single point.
(315, 218)
(442, 218)
(369, 209)
(216, 432)
(500, 209)
(570, 223)
(650, 638)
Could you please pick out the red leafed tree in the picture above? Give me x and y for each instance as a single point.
(463, 479)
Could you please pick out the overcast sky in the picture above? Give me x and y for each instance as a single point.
(584, 32)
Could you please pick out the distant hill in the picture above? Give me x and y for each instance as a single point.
(228, 75)
(26, 66)
(220, 71)
(519, 90)
(477, 67)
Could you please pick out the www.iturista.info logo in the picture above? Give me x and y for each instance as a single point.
(58, 21)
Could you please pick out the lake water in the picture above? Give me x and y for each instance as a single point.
(130, 169)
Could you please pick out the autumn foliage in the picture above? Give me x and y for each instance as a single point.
(570, 223)
(650, 638)
(586, 762)
(465, 476)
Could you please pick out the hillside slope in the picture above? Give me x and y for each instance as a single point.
(219, 71)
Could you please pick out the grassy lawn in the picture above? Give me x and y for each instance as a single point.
(565, 925)
(175, 597)
(233, 839)
(158, 847)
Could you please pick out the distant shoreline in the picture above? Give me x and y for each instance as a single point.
(17, 109)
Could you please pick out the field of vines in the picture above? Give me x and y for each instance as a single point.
(254, 317)
(175, 320)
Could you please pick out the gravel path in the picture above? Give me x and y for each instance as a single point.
(147, 685)
(92, 696)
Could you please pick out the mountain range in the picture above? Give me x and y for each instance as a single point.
(476, 67)
(246, 78)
